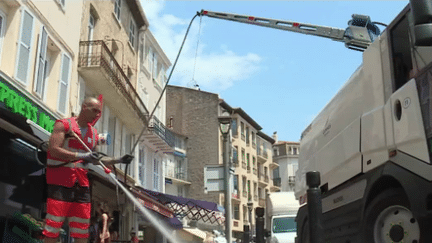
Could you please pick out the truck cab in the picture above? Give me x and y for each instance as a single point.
(281, 210)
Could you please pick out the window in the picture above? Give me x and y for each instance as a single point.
(294, 150)
(117, 7)
(236, 211)
(234, 127)
(155, 175)
(235, 155)
(141, 53)
(41, 64)
(2, 29)
(64, 84)
(236, 186)
(247, 135)
(242, 130)
(243, 155)
(150, 60)
(154, 68)
(132, 32)
(24, 47)
(275, 152)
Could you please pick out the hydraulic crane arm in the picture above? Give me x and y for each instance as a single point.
(359, 34)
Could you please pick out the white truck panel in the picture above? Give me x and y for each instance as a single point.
(373, 139)
(332, 145)
(409, 132)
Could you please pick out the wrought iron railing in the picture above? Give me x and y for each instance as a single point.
(163, 132)
(97, 53)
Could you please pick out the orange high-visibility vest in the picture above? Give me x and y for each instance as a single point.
(69, 173)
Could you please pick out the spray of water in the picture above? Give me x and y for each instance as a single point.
(162, 228)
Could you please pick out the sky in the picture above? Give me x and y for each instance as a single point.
(279, 78)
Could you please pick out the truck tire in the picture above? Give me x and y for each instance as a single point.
(388, 218)
(305, 236)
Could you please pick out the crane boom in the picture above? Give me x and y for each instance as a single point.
(359, 34)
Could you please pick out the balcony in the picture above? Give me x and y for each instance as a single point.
(244, 165)
(256, 197)
(235, 196)
(248, 169)
(261, 180)
(244, 193)
(254, 171)
(276, 185)
(98, 66)
(273, 165)
(262, 155)
(266, 178)
(159, 137)
(177, 175)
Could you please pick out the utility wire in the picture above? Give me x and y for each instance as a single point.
(169, 77)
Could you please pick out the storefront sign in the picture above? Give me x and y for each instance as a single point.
(18, 103)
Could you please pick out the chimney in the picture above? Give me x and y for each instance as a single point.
(275, 137)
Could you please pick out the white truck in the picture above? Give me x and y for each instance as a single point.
(280, 213)
(372, 143)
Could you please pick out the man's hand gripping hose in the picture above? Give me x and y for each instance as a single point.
(91, 152)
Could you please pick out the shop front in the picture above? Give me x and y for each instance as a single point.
(24, 125)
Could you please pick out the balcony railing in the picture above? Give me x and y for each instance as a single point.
(266, 178)
(265, 154)
(248, 169)
(256, 197)
(176, 172)
(97, 53)
(244, 193)
(254, 171)
(244, 165)
(164, 133)
(277, 182)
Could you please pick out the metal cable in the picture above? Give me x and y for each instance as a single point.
(169, 77)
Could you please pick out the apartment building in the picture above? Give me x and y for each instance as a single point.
(195, 114)
(286, 155)
(53, 54)
(253, 164)
(37, 73)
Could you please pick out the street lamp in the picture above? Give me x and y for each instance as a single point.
(250, 207)
(225, 126)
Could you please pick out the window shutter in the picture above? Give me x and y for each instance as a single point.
(64, 83)
(40, 66)
(24, 47)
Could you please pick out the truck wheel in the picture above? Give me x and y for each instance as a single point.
(389, 219)
(305, 236)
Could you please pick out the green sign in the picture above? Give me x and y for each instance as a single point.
(18, 103)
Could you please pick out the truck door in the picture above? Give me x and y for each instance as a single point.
(408, 126)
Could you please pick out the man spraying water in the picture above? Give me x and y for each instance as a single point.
(71, 149)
